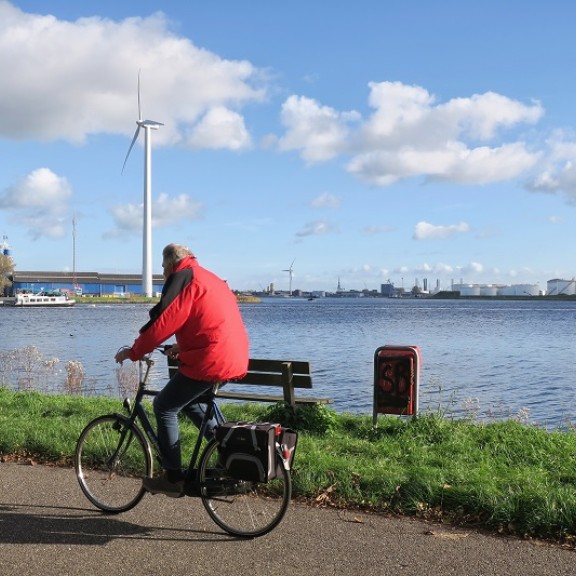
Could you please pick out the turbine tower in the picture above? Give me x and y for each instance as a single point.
(147, 125)
(290, 272)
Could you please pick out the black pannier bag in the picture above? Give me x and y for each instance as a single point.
(248, 449)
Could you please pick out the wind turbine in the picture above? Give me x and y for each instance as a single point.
(147, 125)
(290, 272)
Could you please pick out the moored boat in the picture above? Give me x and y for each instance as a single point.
(44, 298)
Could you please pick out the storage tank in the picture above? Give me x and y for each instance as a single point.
(506, 291)
(488, 290)
(468, 289)
(526, 290)
(558, 287)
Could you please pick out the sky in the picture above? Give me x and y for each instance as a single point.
(354, 142)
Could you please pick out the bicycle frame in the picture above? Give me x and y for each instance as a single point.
(137, 415)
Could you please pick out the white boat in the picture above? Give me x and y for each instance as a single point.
(44, 298)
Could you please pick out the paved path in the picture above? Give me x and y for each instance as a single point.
(48, 528)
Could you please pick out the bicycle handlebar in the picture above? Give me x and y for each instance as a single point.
(164, 348)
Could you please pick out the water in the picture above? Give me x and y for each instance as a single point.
(499, 358)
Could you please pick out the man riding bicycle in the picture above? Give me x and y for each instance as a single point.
(200, 310)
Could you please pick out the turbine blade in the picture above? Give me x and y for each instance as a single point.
(131, 146)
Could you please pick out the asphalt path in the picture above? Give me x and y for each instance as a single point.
(47, 527)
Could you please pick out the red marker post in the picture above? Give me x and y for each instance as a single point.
(396, 381)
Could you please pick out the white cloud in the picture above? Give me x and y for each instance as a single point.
(326, 200)
(558, 171)
(39, 189)
(317, 228)
(409, 115)
(166, 211)
(440, 269)
(454, 163)
(483, 164)
(397, 105)
(474, 267)
(128, 218)
(319, 132)
(93, 88)
(482, 115)
(220, 128)
(410, 135)
(427, 231)
(39, 202)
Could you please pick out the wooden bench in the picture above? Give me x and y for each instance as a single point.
(286, 374)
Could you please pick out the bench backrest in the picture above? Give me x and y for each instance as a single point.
(264, 372)
(288, 374)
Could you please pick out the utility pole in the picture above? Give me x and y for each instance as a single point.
(74, 280)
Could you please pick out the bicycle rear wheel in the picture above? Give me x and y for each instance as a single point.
(111, 459)
(242, 508)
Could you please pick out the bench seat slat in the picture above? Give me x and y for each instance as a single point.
(269, 398)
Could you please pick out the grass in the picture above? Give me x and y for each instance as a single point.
(138, 299)
(506, 476)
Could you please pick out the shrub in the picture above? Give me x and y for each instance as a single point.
(312, 418)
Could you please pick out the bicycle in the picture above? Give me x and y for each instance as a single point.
(115, 451)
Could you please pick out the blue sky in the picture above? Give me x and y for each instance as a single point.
(362, 141)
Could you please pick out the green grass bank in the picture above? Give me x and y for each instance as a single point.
(242, 298)
(506, 476)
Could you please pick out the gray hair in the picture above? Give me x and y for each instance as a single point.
(173, 253)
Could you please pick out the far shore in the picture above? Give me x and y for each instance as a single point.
(82, 300)
(245, 298)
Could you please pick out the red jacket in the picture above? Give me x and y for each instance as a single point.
(202, 312)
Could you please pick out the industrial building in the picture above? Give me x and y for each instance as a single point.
(79, 283)
(497, 289)
(85, 283)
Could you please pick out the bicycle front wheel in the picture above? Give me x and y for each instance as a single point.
(111, 459)
(242, 508)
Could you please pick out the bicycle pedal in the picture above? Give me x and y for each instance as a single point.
(191, 489)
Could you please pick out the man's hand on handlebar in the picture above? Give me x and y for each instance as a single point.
(172, 350)
(123, 354)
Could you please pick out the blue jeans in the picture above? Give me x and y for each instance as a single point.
(177, 396)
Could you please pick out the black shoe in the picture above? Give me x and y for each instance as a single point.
(161, 485)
